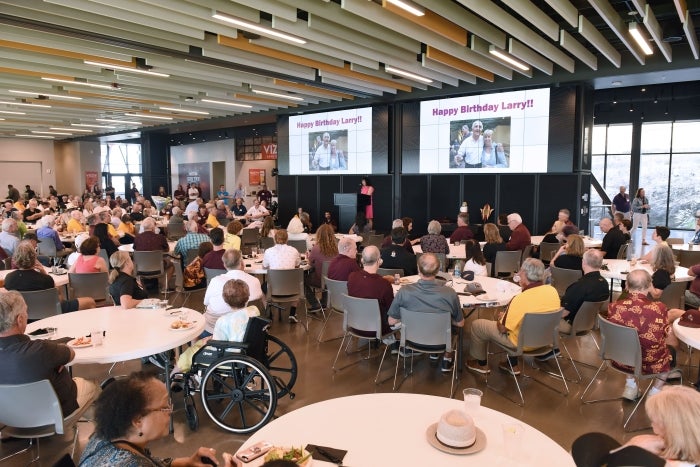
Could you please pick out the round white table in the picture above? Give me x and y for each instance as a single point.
(130, 247)
(130, 334)
(498, 292)
(690, 336)
(619, 268)
(59, 280)
(456, 251)
(588, 242)
(389, 429)
(684, 246)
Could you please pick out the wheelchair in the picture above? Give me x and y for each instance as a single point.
(240, 382)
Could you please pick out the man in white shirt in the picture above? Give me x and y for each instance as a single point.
(322, 157)
(283, 256)
(472, 147)
(256, 214)
(213, 299)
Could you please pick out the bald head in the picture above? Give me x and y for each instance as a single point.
(371, 258)
(605, 224)
(347, 247)
(428, 266)
(639, 281)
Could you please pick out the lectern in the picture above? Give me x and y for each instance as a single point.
(347, 208)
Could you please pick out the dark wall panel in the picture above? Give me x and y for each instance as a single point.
(556, 192)
(414, 200)
(562, 129)
(307, 189)
(287, 190)
(444, 198)
(383, 200)
(518, 194)
(479, 190)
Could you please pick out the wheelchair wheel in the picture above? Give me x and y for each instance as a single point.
(282, 365)
(191, 413)
(239, 394)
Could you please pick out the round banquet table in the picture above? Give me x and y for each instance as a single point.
(498, 292)
(619, 268)
(390, 429)
(588, 242)
(690, 336)
(129, 247)
(684, 246)
(130, 334)
(456, 251)
(59, 280)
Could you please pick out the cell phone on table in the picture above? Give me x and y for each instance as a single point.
(42, 331)
(254, 451)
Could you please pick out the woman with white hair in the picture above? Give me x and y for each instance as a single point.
(434, 242)
(46, 231)
(295, 231)
(492, 154)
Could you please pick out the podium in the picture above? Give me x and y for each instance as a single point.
(347, 209)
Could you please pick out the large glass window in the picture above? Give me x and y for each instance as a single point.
(610, 164)
(121, 166)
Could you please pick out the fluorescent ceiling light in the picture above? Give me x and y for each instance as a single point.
(391, 69)
(25, 104)
(642, 41)
(155, 117)
(9, 112)
(257, 28)
(88, 125)
(52, 133)
(55, 96)
(122, 122)
(275, 94)
(126, 68)
(184, 111)
(507, 58)
(212, 101)
(81, 83)
(406, 6)
(33, 136)
(2, 119)
(74, 130)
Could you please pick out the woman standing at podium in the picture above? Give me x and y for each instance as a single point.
(366, 188)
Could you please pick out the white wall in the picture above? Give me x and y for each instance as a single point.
(27, 161)
(73, 159)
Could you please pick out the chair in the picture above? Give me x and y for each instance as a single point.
(622, 252)
(689, 258)
(563, 278)
(375, 240)
(267, 242)
(362, 319)
(47, 247)
(176, 231)
(103, 254)
(507, 263)
(212, 273)
(621, 344)
(94, 284)
(42, 303)
(548, 250)
(673, 295)
(538, 336)
(425, 332)
(179, 285)
(583, 324)
(249, 238)
(32, 411)
(299, 245)
(286, 286)
(389, 272)
(149, 265)
(336, 290)
(527, 252)
(674, 241)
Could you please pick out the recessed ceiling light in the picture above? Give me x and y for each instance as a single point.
(111, 66)
(88, 125)
(275, 94)
(9, 112)
(33, 136)
(121, 122)
(52, 133)
(233, 104)
(155, 117)
(25, 104)
(82, 83)
(185, 111)
(407, 74)
(39, 94)
(74, 130)
(257, 28)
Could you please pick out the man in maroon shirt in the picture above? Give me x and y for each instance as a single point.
(214, 259)
(149, 240)
(520, 236)
(366, 283)
(345, 263)
(462, 232)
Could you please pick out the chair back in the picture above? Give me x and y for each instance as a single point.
(689, 258)
(103, 254)
(46, 247)
(361, 314)
(31, 405)
(547, 250)
(389, 272)
(250, 237)
(324, 273)
(527, 252)
(190, 255)
(674, 241)
(93, 284)
(285, 282)
(423, 330)
(212, 273)
(563, 278)
(375, 240)
(586, 316)
(267, 242)
(149, 263)
(176, 230)
(299, 245)
(621, 344)
(622, 252)
(42, 303)
(336, 289)
(442, 258)
(539, 330)
(672, 296)
(507, 262)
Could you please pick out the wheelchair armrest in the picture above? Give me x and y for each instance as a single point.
(222, 345)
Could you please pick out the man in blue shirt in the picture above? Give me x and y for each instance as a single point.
(223, 194)
(621, 203)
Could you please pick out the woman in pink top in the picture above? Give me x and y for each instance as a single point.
(89, 261)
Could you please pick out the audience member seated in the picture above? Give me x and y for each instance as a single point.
(407, 243)
(366, 283)
(591, 287)
(651, 320)
(295, 231)
(554, 234)
(324, 250)
(46, 231)
(696, 237)
(664, 268)
(503, 229)
(395, 255)
(429, 296)
(191, 240)
(213, 260)
(563, 216)
(149, 240)
(536, 297)
(106, 241)
(136, 212)
(232, 240)
(346, 262)
(31, 276)
(408, 226)
(306, 222)
(283, 256)
(475, 258)
(89, 261)
(126, 230)
(214, 300)
(9, 237)
(256, 215)
(32, 213)
(129, 414)
(613, 240)
(329, 220)
(75, 224)
(462, 232)
(494, 243)
(23, 360)
(434, 242)
(570, 254)
(660, 234)
(124, 288)
(520, 235)
(176, 220)
(361, 226)
(239, 209)
(692, 295)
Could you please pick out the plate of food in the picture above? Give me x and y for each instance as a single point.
(80, 342)
(485, 297)
(405, 280)
(298, 455)
(181, 325)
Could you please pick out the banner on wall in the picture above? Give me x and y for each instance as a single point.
(90, 179)
(256, 177)
(197, 173)
(268, 151)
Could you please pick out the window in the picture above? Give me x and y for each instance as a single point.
(121, 166)
(611, 158)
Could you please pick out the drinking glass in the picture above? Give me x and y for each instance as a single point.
(472, 400)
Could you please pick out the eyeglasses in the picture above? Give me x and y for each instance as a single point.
(168, 409)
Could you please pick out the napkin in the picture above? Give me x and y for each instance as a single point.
(326, 454)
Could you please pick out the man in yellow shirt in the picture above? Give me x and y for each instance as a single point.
(536, 297)
(75, 224)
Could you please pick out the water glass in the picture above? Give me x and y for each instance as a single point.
(254, 251)
(513, 440)
(96, 336)
(472, 400)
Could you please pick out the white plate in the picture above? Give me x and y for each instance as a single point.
(485, 298)
(184, 328)
(71, 343)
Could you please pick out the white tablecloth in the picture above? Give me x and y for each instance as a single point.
(59, 279)
(616, 268)
(588, 242)
(498, 292)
